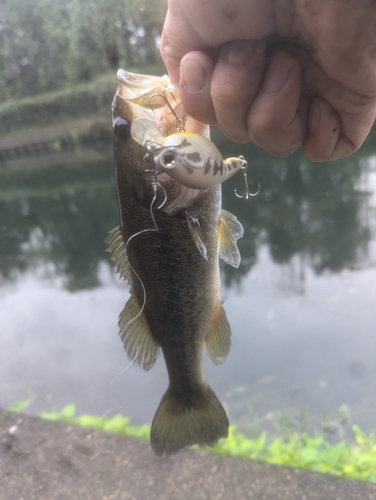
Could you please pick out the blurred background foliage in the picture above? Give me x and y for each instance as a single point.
(46, 45)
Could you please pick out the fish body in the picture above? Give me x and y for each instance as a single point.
(167, 248)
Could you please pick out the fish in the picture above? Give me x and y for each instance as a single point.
(167, 248)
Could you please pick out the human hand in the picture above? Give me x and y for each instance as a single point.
(282, 73)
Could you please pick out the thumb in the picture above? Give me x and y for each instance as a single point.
(178, 39)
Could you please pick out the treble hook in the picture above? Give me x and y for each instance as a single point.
(246, 194)
(179, 123)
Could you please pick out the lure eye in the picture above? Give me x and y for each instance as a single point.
(122, 128)
(168, 160)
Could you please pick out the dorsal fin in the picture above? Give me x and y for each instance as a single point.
(135, 333)
(218, 339)
(118, 253)
(229, 230)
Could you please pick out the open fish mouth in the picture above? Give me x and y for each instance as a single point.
(136, 85)
(154, 97)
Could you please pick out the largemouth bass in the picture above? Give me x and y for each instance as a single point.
(167, 248)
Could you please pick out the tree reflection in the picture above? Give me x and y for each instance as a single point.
(307, 209)
(62, 215)
(62, 218)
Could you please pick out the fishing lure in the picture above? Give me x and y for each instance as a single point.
(188, 158)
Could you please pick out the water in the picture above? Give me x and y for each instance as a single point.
(301, 305)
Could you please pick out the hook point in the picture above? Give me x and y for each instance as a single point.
(246, 194)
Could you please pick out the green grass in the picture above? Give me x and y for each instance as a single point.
(352, 460)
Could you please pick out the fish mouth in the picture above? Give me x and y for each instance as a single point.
(154, 97)
(136, 85)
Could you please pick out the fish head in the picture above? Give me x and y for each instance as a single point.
(153, 97)
(155, 104)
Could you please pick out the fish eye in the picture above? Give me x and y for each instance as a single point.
(122, 128)
(168, 160)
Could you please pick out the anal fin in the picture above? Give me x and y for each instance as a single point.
(218, 339)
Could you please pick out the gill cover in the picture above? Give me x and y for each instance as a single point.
(188, 158)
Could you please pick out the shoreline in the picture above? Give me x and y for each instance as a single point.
(44, 460)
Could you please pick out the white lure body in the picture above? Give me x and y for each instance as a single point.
(188, 158)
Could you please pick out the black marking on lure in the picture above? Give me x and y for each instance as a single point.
(218, 168)
(195, 157)
(188, 168)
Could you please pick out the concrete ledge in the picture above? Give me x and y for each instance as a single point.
(42, 460)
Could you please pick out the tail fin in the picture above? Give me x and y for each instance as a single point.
(176, 426)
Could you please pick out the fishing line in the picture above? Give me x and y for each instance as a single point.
(100, 452)
(86, 481)
(155, 185)
(113, 380)
(164, 192)
(126, 368)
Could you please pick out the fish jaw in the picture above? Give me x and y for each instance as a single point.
(142, 96)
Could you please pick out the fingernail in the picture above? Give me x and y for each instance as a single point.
(240, 51)
(277, 75)
(314, 118)
(192, 75)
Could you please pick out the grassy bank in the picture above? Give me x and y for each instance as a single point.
(355, 460)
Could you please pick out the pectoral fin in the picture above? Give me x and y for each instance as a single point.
(218, 340)
(139, 343)
(229, 231)
(195, 228)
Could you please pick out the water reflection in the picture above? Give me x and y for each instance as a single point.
(316, 211)
(60, 216)
(305, 285)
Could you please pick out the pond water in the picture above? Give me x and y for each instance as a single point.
(302, 305)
